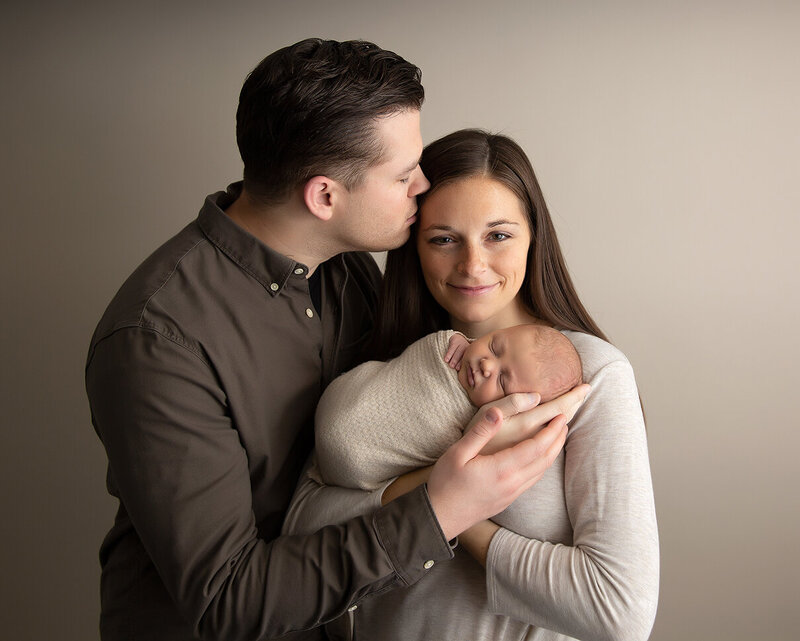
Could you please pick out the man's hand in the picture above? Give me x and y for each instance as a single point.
(466, 486)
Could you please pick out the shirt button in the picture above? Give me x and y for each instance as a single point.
(274, 287)
(428, 565)
(309, 313)
(352, 608)
(298, 271)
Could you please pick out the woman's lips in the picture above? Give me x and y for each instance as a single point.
(477, 290)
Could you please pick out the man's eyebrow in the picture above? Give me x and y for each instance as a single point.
(411, 167)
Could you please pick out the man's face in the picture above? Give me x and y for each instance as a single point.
(378, 213)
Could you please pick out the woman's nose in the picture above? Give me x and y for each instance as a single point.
(471, 263)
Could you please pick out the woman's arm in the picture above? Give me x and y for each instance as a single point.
(516, 427)
(315, 505)
(605, 584)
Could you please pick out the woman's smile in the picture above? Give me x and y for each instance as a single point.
(474, 290)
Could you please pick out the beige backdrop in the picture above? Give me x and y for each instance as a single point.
(666, 139)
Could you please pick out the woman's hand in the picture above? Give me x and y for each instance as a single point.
(466, 487)
(469, 484)
(524, 425)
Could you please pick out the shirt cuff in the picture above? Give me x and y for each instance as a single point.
(410, 534)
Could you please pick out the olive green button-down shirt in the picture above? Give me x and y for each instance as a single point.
(203, 376)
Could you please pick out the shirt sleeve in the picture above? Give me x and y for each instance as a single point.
(180, 471)
(605, 584)
(316, 504)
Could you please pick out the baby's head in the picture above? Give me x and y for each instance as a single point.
(524, 358)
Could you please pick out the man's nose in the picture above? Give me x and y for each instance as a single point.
(419, 183)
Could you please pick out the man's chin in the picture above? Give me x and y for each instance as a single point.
(401, 240)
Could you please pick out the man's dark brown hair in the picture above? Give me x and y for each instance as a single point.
(310, 109)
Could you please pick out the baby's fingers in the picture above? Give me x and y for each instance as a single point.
(452, 348)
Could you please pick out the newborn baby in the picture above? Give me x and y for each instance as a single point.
(383, 419)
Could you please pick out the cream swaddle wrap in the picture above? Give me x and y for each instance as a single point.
(381, 420)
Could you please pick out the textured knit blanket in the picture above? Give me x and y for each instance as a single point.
(381, 420)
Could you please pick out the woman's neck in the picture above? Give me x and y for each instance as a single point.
(512, 315)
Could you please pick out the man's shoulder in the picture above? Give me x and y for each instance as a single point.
(130, 305)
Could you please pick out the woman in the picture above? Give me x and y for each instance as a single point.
(577, 554)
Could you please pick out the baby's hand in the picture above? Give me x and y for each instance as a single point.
(455, 350)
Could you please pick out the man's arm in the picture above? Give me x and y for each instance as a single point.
(178, 466)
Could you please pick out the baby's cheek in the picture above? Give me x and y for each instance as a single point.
(483, 396)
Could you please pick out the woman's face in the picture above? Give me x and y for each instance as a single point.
(473, 243)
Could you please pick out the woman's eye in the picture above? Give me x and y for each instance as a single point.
(441, 240)
(499, 235)
(405, 180)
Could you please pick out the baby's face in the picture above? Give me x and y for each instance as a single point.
(498, 364)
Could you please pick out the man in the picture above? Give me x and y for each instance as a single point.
(205, 369)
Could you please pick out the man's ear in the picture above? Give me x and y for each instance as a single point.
(319, 194)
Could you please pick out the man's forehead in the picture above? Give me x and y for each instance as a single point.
(401, 137)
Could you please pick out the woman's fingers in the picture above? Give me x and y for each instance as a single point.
(465, 487)
(566, 404)
(512, 404)
(569, 403)
(536, 455)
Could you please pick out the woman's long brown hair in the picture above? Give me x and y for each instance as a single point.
(407, 311)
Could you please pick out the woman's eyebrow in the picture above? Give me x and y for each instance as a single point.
(439, 227)
(496, 223)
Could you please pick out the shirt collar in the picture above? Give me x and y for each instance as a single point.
(267, 266)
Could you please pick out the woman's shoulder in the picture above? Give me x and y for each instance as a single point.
(595, 353)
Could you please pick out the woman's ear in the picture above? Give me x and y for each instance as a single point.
(318, 195)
